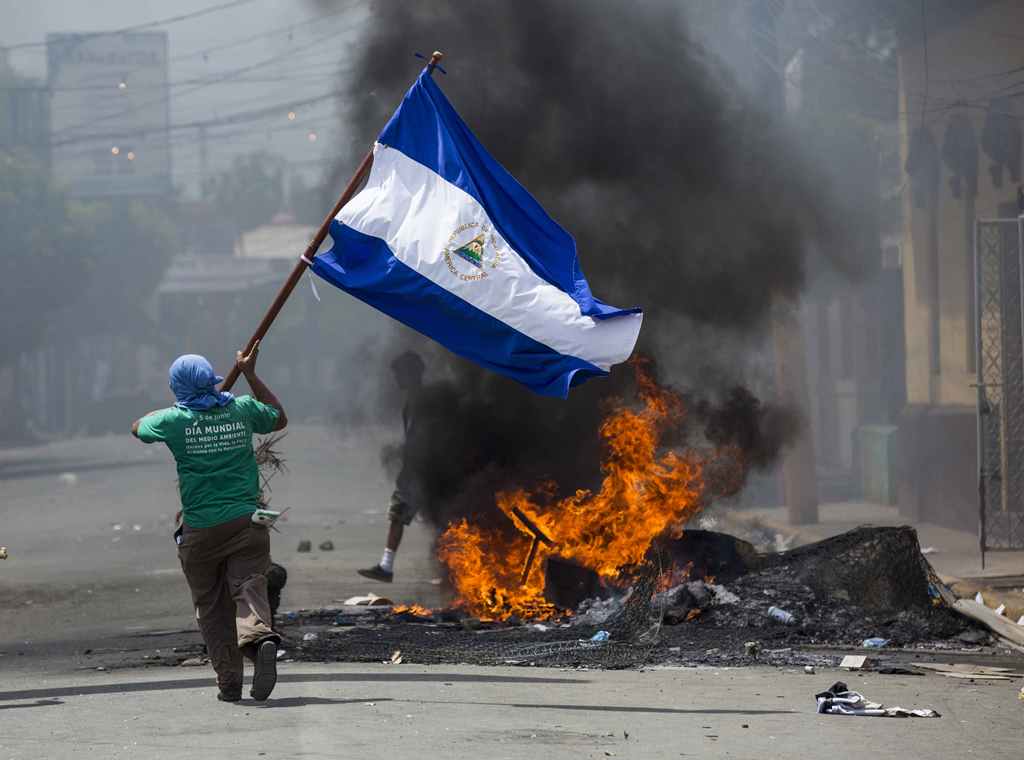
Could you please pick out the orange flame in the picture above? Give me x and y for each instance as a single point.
(412, 609)
(644, 493)
(673, 577)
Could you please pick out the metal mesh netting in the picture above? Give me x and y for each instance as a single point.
(632, 634)
(874, 568)
(870, 581)
(512, 646)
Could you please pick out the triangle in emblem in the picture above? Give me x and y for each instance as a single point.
(473, 251)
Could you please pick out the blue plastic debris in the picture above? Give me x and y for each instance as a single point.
(601, 636)
(875, 643)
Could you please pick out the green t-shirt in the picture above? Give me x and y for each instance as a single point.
(217, 473)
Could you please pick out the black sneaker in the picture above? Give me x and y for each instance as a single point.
(232, 694)
(265, 677)
(377, 573)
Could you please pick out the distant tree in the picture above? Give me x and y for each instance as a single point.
(250, 192)
(80, 266)
(307, 203)
(42, 264)
(127, 247)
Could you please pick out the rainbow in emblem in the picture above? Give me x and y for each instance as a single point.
(473, 251)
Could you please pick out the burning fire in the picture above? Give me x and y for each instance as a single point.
(412, 609)
(644, 493)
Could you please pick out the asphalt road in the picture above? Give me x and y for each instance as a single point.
(92, 566)
(400, 711)
(88, 523)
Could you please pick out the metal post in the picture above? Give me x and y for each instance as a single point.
(799, 484)
(203, 162)
(981, 401)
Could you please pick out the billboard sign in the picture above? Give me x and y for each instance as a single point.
(110, 112)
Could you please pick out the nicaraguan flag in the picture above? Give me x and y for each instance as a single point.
(445, 240)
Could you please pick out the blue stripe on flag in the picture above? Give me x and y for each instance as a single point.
(427, 129)
(364, 266)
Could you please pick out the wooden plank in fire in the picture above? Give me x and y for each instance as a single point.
(538, 538)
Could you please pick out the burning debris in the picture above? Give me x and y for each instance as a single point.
(649, 227)
(616, 558)
(570, 514)
(871, 582)
(646, 491)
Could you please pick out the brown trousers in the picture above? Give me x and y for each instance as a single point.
(226, 568)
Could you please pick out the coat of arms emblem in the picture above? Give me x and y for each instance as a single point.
(472, 249)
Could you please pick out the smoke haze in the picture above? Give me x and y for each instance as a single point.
(683, 197)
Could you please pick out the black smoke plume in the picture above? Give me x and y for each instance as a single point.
(683, 196)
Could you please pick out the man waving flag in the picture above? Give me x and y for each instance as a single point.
(445, 240)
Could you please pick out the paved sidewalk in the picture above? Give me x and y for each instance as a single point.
(360, 711)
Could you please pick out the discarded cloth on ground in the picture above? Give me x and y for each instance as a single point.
(839, 700)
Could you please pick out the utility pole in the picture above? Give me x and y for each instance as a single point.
(203, 166)
(799, 469)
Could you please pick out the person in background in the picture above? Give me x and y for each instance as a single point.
(225, 555)
(407, 497)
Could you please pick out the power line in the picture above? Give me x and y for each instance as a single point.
(146, 25)
(282, 77)
(177, 137)
(203, 52)
(924, 35)
(235, 118)
(228, 75)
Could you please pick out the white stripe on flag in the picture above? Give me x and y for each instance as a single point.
(415, 211)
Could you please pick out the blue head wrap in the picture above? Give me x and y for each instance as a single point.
(195, 385)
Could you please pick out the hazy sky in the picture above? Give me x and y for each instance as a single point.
(293, 46)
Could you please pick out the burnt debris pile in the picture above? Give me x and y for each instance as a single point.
(870, 583)
(874, 568)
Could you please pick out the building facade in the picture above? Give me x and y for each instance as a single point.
(960, 144)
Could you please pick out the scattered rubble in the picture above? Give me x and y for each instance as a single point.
(370, 600)
(971, 671)
(598, 611)
(780, 615)
(870, 583)
(974, 636)
(832, 590)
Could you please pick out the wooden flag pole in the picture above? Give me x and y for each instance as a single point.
(300, 266)
(307, 257)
